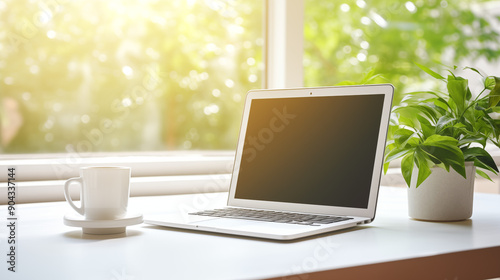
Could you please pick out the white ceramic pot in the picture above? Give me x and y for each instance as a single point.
(443, 196)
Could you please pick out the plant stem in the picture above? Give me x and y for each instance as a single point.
(477, 97)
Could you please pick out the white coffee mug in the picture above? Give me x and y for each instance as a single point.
(104, 192)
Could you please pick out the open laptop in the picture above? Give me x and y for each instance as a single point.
(308, 161)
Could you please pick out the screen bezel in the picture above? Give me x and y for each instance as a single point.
(385, 89)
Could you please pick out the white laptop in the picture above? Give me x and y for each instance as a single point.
(308, 161)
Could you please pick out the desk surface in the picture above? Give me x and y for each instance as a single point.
(46, 247)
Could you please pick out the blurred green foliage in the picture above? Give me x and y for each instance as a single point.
(87, 76)
(345, 40)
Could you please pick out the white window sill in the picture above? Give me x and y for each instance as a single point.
(41, 178)
(62, 167)
(52, 190)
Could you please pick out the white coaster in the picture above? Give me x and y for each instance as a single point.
(102, 226)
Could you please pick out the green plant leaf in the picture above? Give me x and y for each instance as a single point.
(451, 72)
(396, 153)
(478, 107)
(406, 121)
(414, 141)
(436, 161)
(425, 94)
(422, 163)
(405, 110)
(429, 71)
(483, 174)
(471, 153)
(446, 154)
(452, 105)
(407, 164)
(481, 165)
(426, 126)
(439, 104)
(449, 156)
(475, 70)
(441, 140)
(390, 145)
(370, 76)
(472, 139)
(484, 128)
(386, 167)
(443, 122)
(468, 96)
(429, 111)
(401, 136)
(481, 155)
(460, 169)
(483, 102)
(442, 103)
(458, 92)
(444, 148)
(494, 125)
(489, 82)
(460, 125)
(495, 93)
(414, 109)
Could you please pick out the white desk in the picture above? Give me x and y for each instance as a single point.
(393, 246)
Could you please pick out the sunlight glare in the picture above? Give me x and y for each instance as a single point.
(229, 83)
(361, 3)
(128, 71)
(411, 7)
(378, 19)
(216, 92)
(51, 34)
(345, 8)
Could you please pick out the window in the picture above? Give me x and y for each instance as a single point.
(346, 39)
(106, 76)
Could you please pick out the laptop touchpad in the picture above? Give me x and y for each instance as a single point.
(224, 223)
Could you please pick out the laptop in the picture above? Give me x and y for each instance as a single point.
(308, 161)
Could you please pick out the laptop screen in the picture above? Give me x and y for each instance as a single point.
(311, 150)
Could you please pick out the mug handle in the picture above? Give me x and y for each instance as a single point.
(78, 180)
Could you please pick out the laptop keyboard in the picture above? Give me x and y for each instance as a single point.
(272, 216)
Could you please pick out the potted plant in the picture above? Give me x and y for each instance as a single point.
(440, 137)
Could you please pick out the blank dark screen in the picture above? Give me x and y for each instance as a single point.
(311, 150)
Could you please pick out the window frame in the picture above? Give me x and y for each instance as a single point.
(284, 43)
